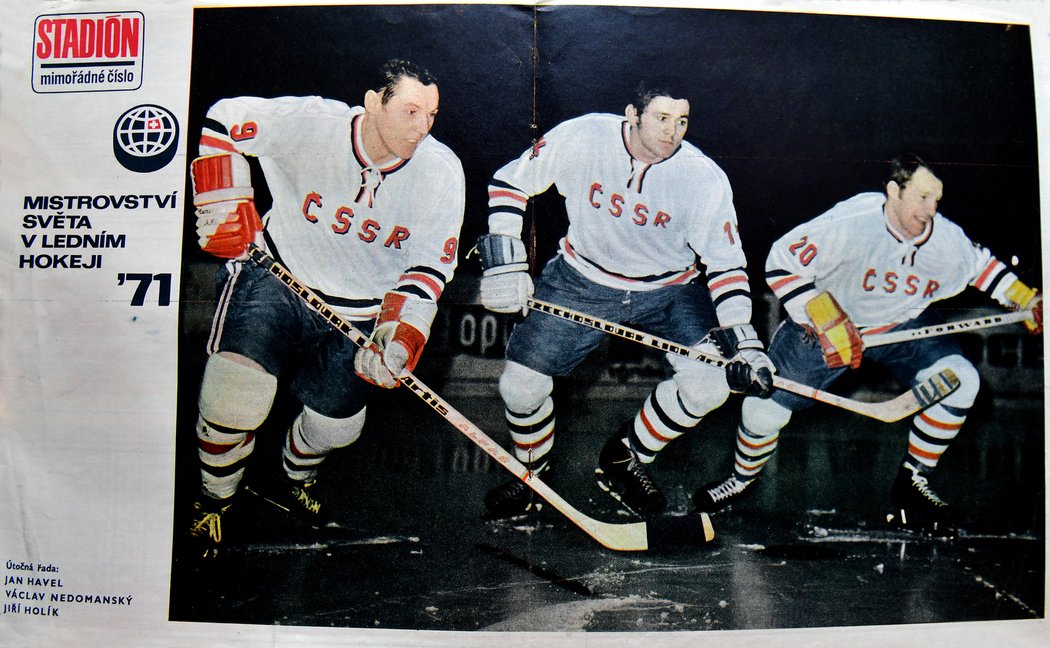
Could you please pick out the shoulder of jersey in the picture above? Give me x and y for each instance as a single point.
(945, 224)
(311, 105)
(591, 122)
(696, 161)
(860, 206)
(432, 149)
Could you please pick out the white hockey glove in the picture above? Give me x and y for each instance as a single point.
(505, 282)
(397, 341)
(227, 221)
(750, 371)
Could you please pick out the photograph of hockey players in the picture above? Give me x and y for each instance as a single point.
(913, 258)
(645, 210)
(795, 111)
(373, 163)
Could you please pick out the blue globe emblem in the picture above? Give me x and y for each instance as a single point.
(145, 138)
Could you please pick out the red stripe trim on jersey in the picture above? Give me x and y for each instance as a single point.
(639, 178)
(214, 142)
(721, 283)
(777, 285)
(355, 140)
(503, 193)
(925, 236)
(359, 149)
(940, 425)
(426, 280)
(393, 166)
(989, 270)
(684, 277)
(681, 277)
(918, 241)
(925, 454)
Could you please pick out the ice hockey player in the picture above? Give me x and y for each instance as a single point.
(367, 210)
(912, 257)
(646, 210)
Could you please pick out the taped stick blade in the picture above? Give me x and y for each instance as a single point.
(679, 531)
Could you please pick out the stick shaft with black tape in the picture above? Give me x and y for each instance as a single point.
(636, 536)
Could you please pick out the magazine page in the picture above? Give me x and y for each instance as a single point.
(546, 324)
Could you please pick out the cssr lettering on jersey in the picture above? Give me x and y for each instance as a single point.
(640, 214)
(342, 219)
(891, 282)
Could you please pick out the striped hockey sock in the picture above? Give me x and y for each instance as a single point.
(662, 419)
(753, 450)
(223, 454)
(532, 433)
(932, 430)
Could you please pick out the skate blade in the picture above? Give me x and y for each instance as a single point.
(927, 528)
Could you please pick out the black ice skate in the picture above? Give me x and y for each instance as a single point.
(205, 528)
(514, 497)
(916, 507)
(719, 495)
(295, 498)
(621, 475)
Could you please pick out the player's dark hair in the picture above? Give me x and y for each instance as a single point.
(903, 167)
(396, 69)
(646, 91)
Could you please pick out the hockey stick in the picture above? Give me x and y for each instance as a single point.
(919, 397)
(958, 326)
(636, 536)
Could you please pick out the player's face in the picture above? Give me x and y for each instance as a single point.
(399, 125)
(657, 132)
(912, 207)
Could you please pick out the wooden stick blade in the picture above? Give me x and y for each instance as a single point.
(921, 396)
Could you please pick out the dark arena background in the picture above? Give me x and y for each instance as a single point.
(801, 111)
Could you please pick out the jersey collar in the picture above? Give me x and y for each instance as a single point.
(359, 149)
(916, 242)
(638, 168)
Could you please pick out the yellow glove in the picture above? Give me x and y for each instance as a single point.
(839, 338)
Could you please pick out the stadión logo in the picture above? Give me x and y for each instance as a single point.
(145, 138)
(90, 52)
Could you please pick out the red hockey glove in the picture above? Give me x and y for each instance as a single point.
(397, 342)
(227, 220)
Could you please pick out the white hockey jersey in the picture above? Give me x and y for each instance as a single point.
(350, 229)
(879, 277)
(632, 226)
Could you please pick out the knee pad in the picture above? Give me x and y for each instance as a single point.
(235, 395)
(969, 380)
(523, 389)
(702, 387)
(763, 416)
(324, 433)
